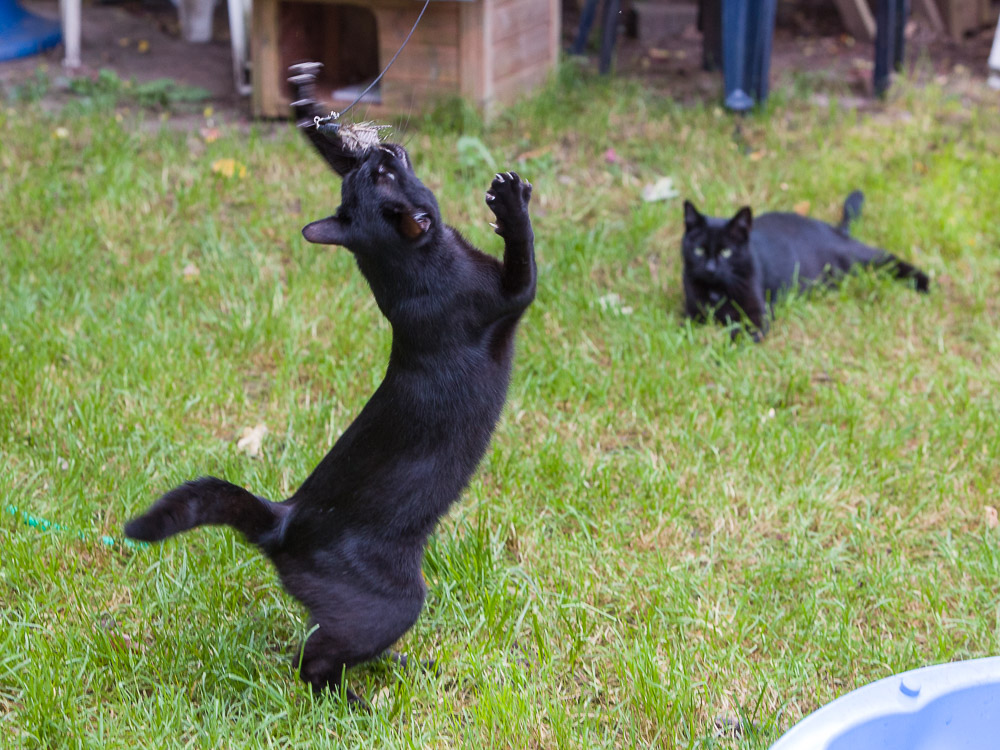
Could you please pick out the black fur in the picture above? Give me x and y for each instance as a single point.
(349, 543)
(735, 269)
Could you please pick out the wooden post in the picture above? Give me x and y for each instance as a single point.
(857, 18)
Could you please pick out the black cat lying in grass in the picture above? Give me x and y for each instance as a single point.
(735, 269)
(349, 543)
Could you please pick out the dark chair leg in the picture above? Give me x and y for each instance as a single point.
(710, 24)
(586, 23)
(760, 64)
(890, 23)
(609, 34)
(903, 8)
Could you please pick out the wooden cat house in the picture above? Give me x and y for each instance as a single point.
(488, 51)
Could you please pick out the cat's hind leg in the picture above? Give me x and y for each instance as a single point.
(208, 501)
(903, 270)
(353, 626)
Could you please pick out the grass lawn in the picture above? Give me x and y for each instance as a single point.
(670, 536)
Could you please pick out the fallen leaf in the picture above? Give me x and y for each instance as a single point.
(124, 41)
(991, 517)
(381, 698)
(757, 155)
(229, 168)
(659, 54)
(142, 46)
(533, 153)
(802, 208)
(613, 302)
(251, 439)
(660, 190)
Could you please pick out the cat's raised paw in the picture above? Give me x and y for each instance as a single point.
(508, 199)
(302, 79)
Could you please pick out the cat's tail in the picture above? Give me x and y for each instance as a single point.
(852, 210)
(208, 501)
(903, 270)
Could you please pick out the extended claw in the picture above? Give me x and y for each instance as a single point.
(306, 68)
(490, 197)
(498, 177)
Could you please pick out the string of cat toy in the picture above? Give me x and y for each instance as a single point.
(362, 136)
(42, 524)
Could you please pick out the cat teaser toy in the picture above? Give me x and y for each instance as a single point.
(358, 136)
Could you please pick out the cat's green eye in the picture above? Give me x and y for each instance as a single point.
(727, 253)
(699, 251)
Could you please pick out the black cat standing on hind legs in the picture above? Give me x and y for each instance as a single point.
(735, 269)
(349, 543)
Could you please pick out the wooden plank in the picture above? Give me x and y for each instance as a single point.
(959, 16)
(438, 26)
(517, 18)
(555, 29)
(413, 97)
(857, 18)
(425, 62)
(987, 12)
(529, 49)
(472, 72)
(266, 98)
(931, 13)
(516, 85)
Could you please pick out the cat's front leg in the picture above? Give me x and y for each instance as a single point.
(750, 318)
(508, 199)
(756, 318)
(305, 108)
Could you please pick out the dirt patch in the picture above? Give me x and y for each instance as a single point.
(137, 39)
(140, 39)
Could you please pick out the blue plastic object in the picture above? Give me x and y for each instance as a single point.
(23, 33)
(747, 30)
(945, 707)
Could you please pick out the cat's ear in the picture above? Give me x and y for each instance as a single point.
(328, 231)
(738, 228)
(692, 218)
(413, 224)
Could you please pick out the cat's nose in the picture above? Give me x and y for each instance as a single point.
(710, 265)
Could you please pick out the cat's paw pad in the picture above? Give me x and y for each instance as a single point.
(508, 199)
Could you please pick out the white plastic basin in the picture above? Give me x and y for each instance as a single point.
(952, 706)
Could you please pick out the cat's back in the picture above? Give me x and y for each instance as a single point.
(791, 248)
(785, 230)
